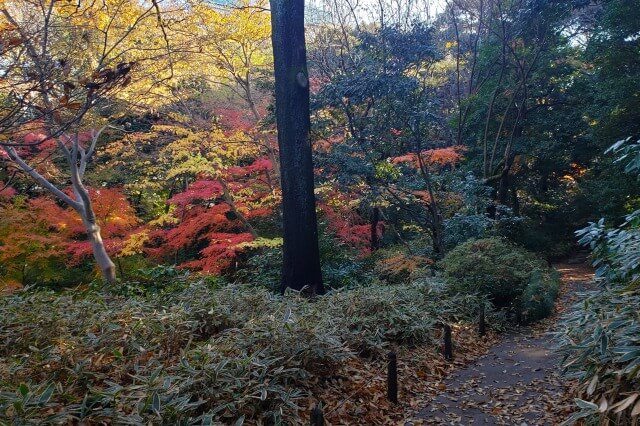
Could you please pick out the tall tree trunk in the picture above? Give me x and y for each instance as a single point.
(301, 257)
(436, 224)
(437, 231)
(509, 157)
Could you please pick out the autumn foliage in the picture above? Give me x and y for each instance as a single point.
(211, 220)
(438, 157)
(50, 235)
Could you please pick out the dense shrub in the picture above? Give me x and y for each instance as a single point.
(461, 228)
(370, 317)
(200, 354)
(539, 295)
(600, 342)
(511, 277)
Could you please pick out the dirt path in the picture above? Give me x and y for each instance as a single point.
(517, 382)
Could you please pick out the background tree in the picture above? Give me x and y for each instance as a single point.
(77, 156)
(377, 104)
(518, 108)
(234, 45)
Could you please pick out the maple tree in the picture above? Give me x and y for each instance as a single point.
(73, 57)
(200, 189)
(214, 214)
(27, 245)
(49, 235)
(46, 104)
(77, 151)
(347, 224)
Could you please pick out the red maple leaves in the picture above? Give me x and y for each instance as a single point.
(213, 217)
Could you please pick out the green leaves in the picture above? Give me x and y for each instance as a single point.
(23, 389)
(607, 361)
(46, 395)
(28, 402)
(601, 345)
(512, 278)
(155, 403)
(232, 354)
(586, 405)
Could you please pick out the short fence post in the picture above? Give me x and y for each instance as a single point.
(448, 346)
(392, 378)
(482, 326)
(317, 417)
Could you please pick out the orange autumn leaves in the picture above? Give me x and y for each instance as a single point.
(35, 231)
(448, 156)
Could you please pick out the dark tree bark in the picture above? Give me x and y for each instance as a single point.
(436, 223)
(301, 260)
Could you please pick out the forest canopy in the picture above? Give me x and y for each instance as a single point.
(397, 156)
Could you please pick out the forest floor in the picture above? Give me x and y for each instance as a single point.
(518, 381)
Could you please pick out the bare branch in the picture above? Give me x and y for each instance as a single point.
(15, 157)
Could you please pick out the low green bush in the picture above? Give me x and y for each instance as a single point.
(600, 343)
(371, 317)
(600, 339)
(539, 296)
(199, 354)
(511, 277)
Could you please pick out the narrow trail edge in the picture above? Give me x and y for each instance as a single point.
(518, 382)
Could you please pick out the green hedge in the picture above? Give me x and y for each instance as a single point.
(514, 279)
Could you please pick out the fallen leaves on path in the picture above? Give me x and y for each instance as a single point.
(357, 393)
(519, 397)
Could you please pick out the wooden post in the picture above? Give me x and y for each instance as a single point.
(392, 378)
(448, 346)
(317, 417)
(482, 326)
